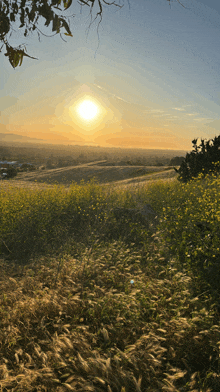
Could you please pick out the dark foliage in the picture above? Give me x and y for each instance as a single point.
(27, 167)
(28, 13)
(205, 158)
(176, 161)
(11, 172)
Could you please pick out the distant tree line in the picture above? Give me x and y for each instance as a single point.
(54, 156)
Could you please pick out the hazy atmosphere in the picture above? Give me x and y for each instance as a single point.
(148, 78)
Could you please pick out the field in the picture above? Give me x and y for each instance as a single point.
(99, 170)
(95, 299)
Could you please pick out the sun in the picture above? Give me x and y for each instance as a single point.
(87, 110)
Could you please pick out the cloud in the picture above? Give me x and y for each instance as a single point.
(214, 124)
(201, 119)
(111, 94)
(156, 111)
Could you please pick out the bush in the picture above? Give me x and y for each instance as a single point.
(27, 167)
(11, 172)
(176, 161)
(204, 159)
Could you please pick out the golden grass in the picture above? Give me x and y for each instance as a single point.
(113, 305)
(103, 174)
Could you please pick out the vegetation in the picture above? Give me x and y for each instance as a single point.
(55, 156)
(27, 167)
(27, 14)
(92, 302)
(176, 161)
(203, 159)
(11, 172)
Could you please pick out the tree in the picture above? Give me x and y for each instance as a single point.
(11, 172)
(26, 14)
(176, 161)
(205, 158)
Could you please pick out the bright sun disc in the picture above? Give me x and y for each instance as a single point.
(87, 110)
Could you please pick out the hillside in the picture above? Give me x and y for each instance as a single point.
(99, 170)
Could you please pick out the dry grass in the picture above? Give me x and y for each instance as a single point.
(90, 329)
(115, 309)
(103, 174)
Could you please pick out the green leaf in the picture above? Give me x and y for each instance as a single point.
(12, 17)
(15, 7)
(14, 58)
(47, 22)
(21, 58)
(56, 24)
(65, 25)
(22, 18)
(67, 3)
(4, 25)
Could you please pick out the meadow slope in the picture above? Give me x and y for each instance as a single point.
(95, 301)
(102, 173)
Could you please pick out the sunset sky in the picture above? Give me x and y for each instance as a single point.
(149, 79)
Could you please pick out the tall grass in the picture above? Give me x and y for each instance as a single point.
(91, 302)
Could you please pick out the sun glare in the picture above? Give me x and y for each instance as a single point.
(87, 110)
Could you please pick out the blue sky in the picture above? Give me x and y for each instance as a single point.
(153, 69)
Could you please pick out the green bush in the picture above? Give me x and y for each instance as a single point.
(203, 159)
(176, 161)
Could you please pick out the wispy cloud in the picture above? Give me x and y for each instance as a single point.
(202, 119)
(110, 93)
(157, 111)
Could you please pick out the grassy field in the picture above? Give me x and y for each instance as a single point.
(100, 170)
(93, 301)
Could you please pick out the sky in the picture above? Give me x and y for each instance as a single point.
(151, 71)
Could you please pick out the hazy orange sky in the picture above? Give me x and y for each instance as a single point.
(153, 75)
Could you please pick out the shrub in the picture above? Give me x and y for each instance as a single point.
(176, 161)
(11, 172)
(203, 159)
(27, 167)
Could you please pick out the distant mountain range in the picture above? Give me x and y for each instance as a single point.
(12, 137)
(9, 138)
